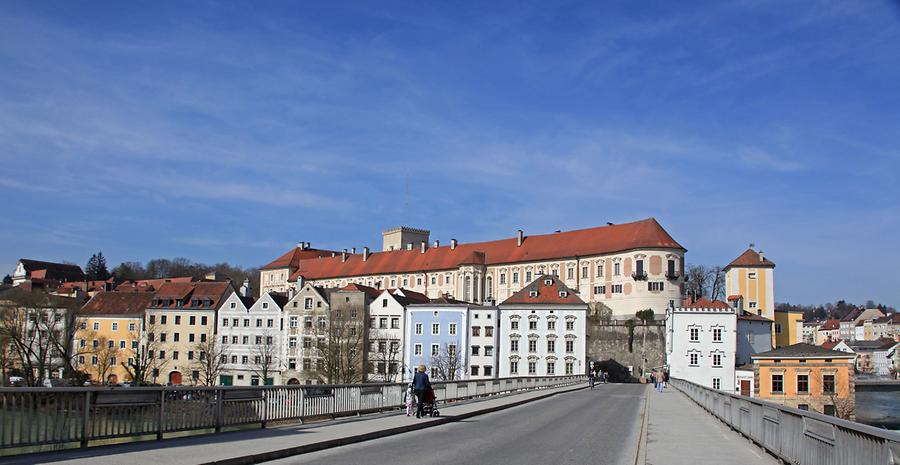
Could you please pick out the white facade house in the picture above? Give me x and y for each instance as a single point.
(387, 317)
(543, 330)
(701, 343)
(484, 338)
(253, 339)
(884, 357)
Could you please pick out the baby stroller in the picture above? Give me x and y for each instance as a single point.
(429, 403)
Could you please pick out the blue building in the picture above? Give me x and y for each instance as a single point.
(437, 337)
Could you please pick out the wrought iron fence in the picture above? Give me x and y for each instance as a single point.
(798, 436)
(42, 416)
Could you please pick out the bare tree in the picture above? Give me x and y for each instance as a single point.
(342, 348)
(38, 331)
(386, 357)
(448, 363)
(265, 353)
(702, 281)
(105, 355)
(142, 365)
(844, 408)
(210, 359)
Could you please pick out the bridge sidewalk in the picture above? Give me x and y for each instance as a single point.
(680, 432)
(251, 446)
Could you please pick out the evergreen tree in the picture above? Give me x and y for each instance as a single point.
(95, 270)
(7, 279)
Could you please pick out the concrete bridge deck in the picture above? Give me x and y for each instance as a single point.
(569, 425)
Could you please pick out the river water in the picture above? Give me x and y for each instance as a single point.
(878, 408)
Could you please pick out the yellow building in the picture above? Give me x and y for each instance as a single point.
(807, 377)
(751, 279)
(109, 334)
(788, 327)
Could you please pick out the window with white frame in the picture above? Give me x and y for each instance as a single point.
(717, 334)
(717, 383)
(617, 269)
(418, 329)
(514, 345)
(717, 360)
(418, 349)
(551, 368)
(695, 334)
(435, 350)
(435, 329)
(513, 367)
(452, 329)
(694, 359)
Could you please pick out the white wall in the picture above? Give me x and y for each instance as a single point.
(679, 347)
(542, 314)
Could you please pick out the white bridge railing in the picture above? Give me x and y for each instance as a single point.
(798, 436)
(43, 416)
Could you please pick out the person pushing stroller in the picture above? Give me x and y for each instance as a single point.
(421, 384)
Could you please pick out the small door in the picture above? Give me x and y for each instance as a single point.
(745, 387)
(175, 377)
(226, 380)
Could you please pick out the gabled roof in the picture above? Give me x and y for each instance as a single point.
(830, 345)
(213, 292)
(892, 318)
(642, 234)
(749, 316)
(407, 297)
(54, 271)
(247, 301)
(801, 350)
(291, 259)
(117, 303)
(279, 299)
(446, 300)
(852, 315)
(546, 289)
(353, 287)
(830, 325)
(751, 258)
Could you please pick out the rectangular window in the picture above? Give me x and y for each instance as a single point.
(488, 351)
(570, 326)
(751, 275)
(292, 342)
(489, 331)
(532, 325)
(177, 319)
(532, 345)
(551, 325)
(474, 369)
(532, 368)
(717, 334)
(259, 322)
(600, 270)
(383, 323)
(476, 350)
(246, 322)
(418, 349)
(294, 322)
(514, 345)
(828, 384)
(803, 383)
(717, 383)
(551, 346)
(803, 407)
(515, 277)
(717, 360)
(514, 367)
(115, 326)
(616, 288)
(655, 286)
(224, 321)
(131, 326)
(570, 368)
(570, 346)
(502, 278)
(599, 290)
(778, 384)
(419, 329)
(96, 326)
(670, 268)
(435, 350)
(395, 323)
(528, 276)
(435, 329)
(695, 334)
(777, 328)
(514, 325)
(162, 319)
(551, 368)
(584, 272)
(828, 409)
(694, 359)
(617, 269)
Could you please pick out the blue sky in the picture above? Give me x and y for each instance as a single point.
(228, 132)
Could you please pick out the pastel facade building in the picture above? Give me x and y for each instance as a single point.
(387, 333)
(788, 327)
(110, 328)
(252, 335)
(807, 377)
(306, 315)
(437, 337)
(543, 330)
(181, 321)
(484, 341)
(626, 267)
(753, 336)
(701, 343)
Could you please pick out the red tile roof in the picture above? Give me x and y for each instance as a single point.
(215, 292)
(745, 315)
(553, 293)
(735, 297)
(370, 291)
(830, 325)
(751, 258)
(704, 303)
(644, 234)
(292, 258)
(117, 303)
(830, 345)
(51, 270)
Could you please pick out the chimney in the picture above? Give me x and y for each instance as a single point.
(245, 288)
(300, 245)
(609, 223)
(520, 237)
(333, 254)
(452, 244)
(353, 250)
(437, 243)
(762, 256)
(422, 246)
(344, 256)
(365, 253)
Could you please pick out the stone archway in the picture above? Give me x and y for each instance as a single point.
(293, 381)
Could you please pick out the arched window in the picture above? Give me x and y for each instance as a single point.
(467, 284)
(489, 284)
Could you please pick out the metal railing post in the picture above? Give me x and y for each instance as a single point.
(161, 417)
(265, 415)
(86, 420)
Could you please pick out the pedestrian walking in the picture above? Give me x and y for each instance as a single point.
(421, 383)
(410, 400)
(659, 381)
(591, 378)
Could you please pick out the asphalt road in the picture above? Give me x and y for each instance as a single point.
(583, 427)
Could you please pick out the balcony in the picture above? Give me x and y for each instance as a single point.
(672, 276)
(639, 275)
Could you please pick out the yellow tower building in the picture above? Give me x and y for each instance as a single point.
(751, 278)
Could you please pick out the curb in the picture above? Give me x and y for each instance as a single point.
(640, 458)
(305, 449)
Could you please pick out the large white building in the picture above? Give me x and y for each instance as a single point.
(543, 330)
(252, 334)
(701, 343)
(387, 315)
(626, 267)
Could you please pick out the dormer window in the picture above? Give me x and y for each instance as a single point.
(533, 293)
(548, 282)
(563, 294)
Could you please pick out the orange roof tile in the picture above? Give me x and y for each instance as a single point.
(540, 292)
(292, 258)
(830, 325)
(593, 241)
(752, 258)
(705, 303)
(117, 303)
